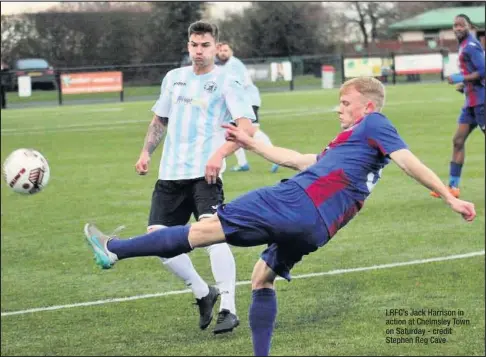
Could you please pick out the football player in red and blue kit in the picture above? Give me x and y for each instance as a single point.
(471, 64)
(296, 216)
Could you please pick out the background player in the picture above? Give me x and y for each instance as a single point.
(194, 102)
(471, 63)
(229, 62)
(299, 215)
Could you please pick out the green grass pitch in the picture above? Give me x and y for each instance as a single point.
(92, 150)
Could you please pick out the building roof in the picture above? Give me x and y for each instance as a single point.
(440, 19)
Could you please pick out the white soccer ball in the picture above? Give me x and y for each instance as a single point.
(26, 171)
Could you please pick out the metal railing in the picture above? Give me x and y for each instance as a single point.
(142, 81)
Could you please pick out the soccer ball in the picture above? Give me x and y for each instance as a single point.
(26, 171)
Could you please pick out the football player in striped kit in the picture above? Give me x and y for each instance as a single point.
(471, 64)
(194, 102)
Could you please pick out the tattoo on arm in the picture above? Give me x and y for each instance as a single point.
(155, 133)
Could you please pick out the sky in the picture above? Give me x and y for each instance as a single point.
(11, 7)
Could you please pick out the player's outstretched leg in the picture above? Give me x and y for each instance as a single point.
(165, 243)
(98, 241)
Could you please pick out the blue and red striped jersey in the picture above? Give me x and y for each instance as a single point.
(348, 168)
(471, 59)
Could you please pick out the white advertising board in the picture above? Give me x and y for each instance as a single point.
(357, 67)
(281, 71)
(24, 84)
(418, 64)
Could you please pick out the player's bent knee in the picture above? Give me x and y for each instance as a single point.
(458, 142)
(263, 277)
(206, 232)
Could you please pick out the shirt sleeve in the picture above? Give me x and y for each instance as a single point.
(382, 135)
(476, 55)
(161, 107)
(250, 88)
(237, 100)
(321, 154)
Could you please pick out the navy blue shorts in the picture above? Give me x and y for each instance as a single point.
(473, 116)
(282, 216)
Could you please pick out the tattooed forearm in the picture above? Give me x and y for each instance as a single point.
(155, 133)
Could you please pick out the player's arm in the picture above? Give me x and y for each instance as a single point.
(413, 167)
(156, 130)
(160, 120)
(155, 133)
(229, 147)
(215, 162)
(281, 156)
(476, 55)
(241, 111)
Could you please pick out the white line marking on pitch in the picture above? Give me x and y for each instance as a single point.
(246, 282)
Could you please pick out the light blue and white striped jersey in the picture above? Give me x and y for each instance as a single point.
(235, 67)
(196, 106)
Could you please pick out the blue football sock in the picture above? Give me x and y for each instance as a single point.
(167, 243)
(455, 174)
(262, 314)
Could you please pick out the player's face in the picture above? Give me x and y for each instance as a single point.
(202, 49)
(352, 107)
(224, 53)
(460, 27)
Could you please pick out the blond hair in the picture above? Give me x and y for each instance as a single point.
(369, 87)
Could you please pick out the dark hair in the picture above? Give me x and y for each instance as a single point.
(225, 43)
(468, 20)
(202, 27)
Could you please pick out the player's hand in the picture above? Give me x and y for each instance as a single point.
(466, 209)
(460, 87)
(213, 167)
(238, 136)
(142, 164)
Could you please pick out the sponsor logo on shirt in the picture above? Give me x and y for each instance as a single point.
(183, 100)
(198, 102)
(210, 87)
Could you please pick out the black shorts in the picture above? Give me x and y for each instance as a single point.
(173, 202)
(255, 110)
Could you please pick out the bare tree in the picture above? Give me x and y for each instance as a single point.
(371, 18)
(361, 20)
(278, 28)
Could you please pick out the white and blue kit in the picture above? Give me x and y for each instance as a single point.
(236, 68)
(196, 106)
